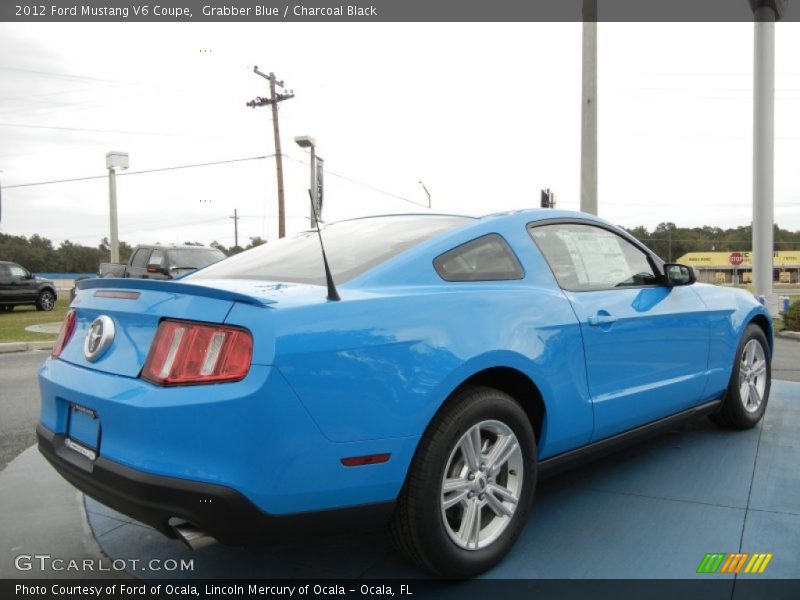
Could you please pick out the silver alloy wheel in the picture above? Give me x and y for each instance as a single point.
(482, 485)
(47, 301)
(752, 375)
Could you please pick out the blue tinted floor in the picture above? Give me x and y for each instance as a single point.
(652, 511)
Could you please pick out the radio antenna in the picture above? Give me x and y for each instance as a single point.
(333, 295)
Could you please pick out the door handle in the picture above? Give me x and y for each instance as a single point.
(601, 319)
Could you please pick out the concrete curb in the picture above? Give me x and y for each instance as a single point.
(25, 346)
(789, 335)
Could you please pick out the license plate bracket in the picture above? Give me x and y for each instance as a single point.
(83, 428)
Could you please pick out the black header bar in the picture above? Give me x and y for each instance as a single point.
(375, 11)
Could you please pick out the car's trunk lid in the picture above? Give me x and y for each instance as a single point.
(136, 306)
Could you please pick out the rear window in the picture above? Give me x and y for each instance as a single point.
(353, 247)
(488, 258)
(193, 258)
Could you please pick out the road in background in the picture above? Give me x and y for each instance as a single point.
(19, 393)
(786, 361)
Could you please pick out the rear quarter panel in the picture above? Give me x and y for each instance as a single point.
(381, 362)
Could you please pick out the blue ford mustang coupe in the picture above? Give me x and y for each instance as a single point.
(449, 363)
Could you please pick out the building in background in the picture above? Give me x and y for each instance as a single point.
(722, 267)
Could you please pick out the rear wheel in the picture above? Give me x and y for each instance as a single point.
(748, 390)
(46, 300)
(469, 487)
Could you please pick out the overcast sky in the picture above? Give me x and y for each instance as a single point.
(484, 114)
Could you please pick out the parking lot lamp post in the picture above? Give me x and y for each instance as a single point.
(114, 161)
(306, 141)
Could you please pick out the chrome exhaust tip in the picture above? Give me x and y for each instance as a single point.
(191, 536)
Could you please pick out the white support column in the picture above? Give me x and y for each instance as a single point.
(765, 14)
(589, 109)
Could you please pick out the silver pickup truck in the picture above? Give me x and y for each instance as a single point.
(162, 262)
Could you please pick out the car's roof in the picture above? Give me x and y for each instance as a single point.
(525, 214)
(175, 247)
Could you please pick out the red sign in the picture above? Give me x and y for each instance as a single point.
(736, 258)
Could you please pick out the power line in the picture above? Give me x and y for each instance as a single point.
(142, 172)
(57, 74)
(86, 129)
(361, 183)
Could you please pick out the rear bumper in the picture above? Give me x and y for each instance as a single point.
(220, 511)
(251, 436)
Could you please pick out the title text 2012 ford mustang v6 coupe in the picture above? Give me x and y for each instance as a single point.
(446, 363)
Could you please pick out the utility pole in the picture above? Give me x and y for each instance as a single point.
(669, 242)
(235, 218)
(272, 101)
(589, 109)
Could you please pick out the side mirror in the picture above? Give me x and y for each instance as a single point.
(676, 274)
(156, 268)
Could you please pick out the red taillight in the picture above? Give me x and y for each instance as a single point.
(188, 353)
(65, 333)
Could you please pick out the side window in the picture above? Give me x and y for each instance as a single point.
(140, 258)
(17, 271)
(4, 272)
(156, 258)
(585, 257)
(487, 258)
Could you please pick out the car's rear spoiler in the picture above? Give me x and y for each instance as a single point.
(171, 287)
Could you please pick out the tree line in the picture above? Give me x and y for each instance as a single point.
(39, 255)
(671, 242)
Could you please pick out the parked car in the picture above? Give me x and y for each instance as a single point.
(451, 363)
(18, 286)
(162, 262)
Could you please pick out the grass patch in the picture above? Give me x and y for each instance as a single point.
(13, 324)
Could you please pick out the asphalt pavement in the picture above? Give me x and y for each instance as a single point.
(786, 361)
(19, 402)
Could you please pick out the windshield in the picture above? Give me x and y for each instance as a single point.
(353, 247)
(194, 258)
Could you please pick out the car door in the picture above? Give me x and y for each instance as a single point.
(6, 285)
(645, 343)
(23, 284)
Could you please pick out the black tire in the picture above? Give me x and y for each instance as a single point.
(734, 413)
(418, 528)
(46, 300)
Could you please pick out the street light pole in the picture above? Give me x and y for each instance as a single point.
(114, 161)
(306, 141)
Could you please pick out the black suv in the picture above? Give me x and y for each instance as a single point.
(19, 286)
